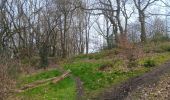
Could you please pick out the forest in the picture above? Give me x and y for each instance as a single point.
(84, 49)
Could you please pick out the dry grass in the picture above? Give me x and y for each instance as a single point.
(7, 76)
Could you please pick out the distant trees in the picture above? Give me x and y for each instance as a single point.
(141, 6)
(106, 32)
(61, 25)
(113, 10)
(113, 14)
(158, 29)
(64, 26)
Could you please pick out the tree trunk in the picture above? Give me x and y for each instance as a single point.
(142, 22)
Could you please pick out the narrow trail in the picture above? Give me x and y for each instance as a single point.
(79, 87)
(121, 91)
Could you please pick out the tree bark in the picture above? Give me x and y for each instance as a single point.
(142, 23)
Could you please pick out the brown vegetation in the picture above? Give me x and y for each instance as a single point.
(7, 77)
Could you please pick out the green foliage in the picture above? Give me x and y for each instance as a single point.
(39, 76)
(157, 59)
(161, 58)
(94, 79)
(165, 47)
(96, 56)
(158, 47)
(87, 68)
(33, 61)
(132, 61)
(43, 56)
(149, 63)
(25, 61)
(13, 70)
(90, 56)
(88, 72)
(63, 90)
(160, 38)
(132, 64)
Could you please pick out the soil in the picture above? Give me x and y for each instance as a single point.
(122, 91)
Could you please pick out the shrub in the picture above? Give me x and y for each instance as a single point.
(149, 63)
(34, 61)
(25, 60)
(6, 81)
(160, 38)
(105, 67)
(165, 47)
(12, 70)
(29, 64)
(132, 64)
(43, 56)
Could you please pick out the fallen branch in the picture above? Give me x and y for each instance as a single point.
(40, 82)
(61, 77)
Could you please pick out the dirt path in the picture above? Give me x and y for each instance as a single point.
(79, 88)
(79, 85)
(156, 91)
(123, 90)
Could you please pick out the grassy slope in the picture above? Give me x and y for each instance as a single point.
(38, 76)
(63, 90)
(94, 80)
(87, 68)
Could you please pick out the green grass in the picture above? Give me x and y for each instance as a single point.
(64, 90)
(95, 80)
(157, 47)
(97, 56)
(158, 59)
(39, 76)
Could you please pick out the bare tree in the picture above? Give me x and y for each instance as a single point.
(127, 15)
(141, 6)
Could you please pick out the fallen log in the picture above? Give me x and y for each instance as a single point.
(61, 77)
(40, 82)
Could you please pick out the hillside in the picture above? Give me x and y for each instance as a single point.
(95, 73)
(84, 49)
